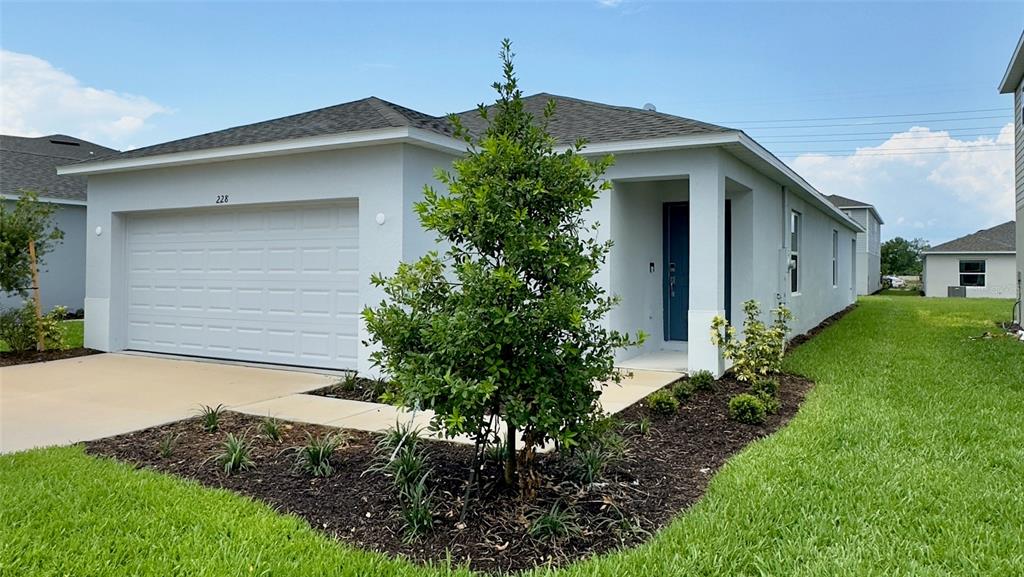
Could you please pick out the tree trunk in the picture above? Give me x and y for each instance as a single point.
(528, 478)
(510, 454)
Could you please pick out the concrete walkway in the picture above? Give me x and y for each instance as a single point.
(85, 398)
(376, 417)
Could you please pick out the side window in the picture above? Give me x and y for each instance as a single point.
(835, 258)
(972, 273)
(794, 251)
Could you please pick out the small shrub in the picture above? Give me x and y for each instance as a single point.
(643, 426)
(682, 390)
(395, 437)
(765, 386)
(496, 451)
(315, 456)
(271, 428)
(167, 444)
(771, 404)
(554, 525)
(591, 463)
(663, 402)
(235, 456)
(747, 408)
(760, 352)
(210, 417)
(18, 327)
(349, 382)
(407, 467)
(415, 505)
(603, 433)
(702, 380)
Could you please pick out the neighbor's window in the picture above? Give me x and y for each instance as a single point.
(972, 273)
(794, 252)
(835, 258)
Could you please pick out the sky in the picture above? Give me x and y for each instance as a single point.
(895, 104)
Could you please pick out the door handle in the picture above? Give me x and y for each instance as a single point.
(672, 286)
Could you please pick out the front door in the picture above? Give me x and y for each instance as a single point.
(676, 293)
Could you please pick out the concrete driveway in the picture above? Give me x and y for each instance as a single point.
(79, 399)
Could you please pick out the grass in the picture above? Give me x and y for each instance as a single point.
(74, 335)
(906, 460)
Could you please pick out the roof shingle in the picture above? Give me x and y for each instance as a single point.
(999, 238)
(31, 164)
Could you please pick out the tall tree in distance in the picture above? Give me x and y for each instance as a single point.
(903, 257)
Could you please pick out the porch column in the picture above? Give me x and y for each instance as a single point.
(707, 263)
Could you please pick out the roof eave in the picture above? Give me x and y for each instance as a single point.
(1014, 70)
(1007, 252)
(374, 137)
(48, 199)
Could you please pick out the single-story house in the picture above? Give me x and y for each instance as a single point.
(31, 164)
(869, 242)
(257, 243)
(1013, 82)
(981, 264)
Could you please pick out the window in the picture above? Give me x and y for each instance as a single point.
(972, 273)
(835, 258)
(794, 252)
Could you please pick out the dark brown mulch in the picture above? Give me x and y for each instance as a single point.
(663, 472)
(353, 388)
(801, 339)
(8, 359)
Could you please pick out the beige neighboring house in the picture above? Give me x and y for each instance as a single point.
(1013, 81)
(869, 242)
(980, 265)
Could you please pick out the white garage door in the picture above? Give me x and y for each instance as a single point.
(274, 284)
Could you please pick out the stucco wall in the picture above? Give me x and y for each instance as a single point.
(943, 270)
(62, 276)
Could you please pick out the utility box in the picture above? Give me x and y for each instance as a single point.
(956, 291)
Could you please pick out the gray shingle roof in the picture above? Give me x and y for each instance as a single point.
(31, 164)
(1000, 238)
(846, 202)
(573, 119)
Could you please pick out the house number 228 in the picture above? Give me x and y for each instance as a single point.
(222, 199)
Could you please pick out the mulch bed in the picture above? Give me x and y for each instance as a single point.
(662, 473)
(8, 359)
(801, 339)
(354, 388)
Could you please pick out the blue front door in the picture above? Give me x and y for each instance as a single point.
(676, 293)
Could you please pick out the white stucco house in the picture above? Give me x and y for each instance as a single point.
(1013, 82)
(869, 242)
(30, 163)
(256, 243)
(979, 265)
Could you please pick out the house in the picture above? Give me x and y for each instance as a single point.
(869, 242)
(257, 243)
(31, 164)
(1013, 82)
(982, 264)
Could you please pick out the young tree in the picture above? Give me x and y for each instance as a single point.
(506, 325)
(28, 220)
(903, 257)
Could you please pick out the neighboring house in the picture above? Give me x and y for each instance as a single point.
(982, 264)
(31, 164)
(1013, 81)
(869, 242)
(257, 243)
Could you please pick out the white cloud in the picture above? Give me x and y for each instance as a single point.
(609, 3)
(924, 182)
(37, 98)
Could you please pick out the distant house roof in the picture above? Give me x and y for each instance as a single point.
(1014, 70)
(31, 164)
(996, 239)
(574, 118)
(845, 202)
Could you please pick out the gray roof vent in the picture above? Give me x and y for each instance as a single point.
(650, 107)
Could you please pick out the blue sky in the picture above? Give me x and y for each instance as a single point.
(132, 74)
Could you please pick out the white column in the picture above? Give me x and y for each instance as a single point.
(707, 263)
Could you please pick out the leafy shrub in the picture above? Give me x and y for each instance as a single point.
(643, 426)
(18, 327)
(415, 505)
(771, 404)
(747, 408)
(497, 451)
(315, 456)
(556, 524)
(682, 390)
(663, 402)
(27, 219)
(592, 462)
(407, 467)
(759, 353)
(210, 417)
(167, 444)
(271, 428)
(702, 380)
(235, 455)
(765, 386)
(349, 382)
(395, 437)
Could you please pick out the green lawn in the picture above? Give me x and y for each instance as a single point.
(907, 459)
(74, 335)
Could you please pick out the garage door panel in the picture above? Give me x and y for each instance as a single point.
(267, 285)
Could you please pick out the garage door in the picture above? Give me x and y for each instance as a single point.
(267, 284)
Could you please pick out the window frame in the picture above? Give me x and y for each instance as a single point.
(835, 258)
(980, 274)
(795, 240)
